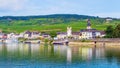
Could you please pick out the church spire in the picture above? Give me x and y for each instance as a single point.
(88, 24)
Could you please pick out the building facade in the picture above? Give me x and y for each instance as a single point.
(31, 35)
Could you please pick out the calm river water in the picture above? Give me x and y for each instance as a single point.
(57, 56)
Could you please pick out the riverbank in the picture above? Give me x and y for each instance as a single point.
(93, 43)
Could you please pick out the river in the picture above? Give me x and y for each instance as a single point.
(18, 55)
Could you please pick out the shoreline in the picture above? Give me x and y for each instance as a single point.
(97, 43)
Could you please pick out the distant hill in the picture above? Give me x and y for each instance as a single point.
(65, 16)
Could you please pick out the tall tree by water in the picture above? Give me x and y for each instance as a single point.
(116, 32)
(109, 31)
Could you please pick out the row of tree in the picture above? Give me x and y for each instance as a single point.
(112, 32)
(63, 16)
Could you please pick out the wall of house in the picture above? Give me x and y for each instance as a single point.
(86, 35)
(26, 36)
(61, 36)
(98, 34)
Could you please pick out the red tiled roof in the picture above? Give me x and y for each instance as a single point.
(61, 33)
(76, 33)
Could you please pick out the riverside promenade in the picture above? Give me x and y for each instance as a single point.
(106, 40)
(98, 41)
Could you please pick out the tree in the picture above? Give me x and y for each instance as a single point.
(109, 31)
(53, 34)
(116, 32)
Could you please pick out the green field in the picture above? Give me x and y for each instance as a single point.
(53, 23)
(76, 26)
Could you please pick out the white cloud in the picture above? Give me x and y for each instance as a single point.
(13, 5)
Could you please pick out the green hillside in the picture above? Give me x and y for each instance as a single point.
(52, 23)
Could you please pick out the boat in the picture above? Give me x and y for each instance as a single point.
(60, 42)
(10, 40)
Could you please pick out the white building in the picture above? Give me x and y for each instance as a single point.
(1, 35)
(90, 33)
(61, 35)
(45, 35)
(31, 35)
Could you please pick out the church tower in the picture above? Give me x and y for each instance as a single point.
(88, 24)
(69, 31)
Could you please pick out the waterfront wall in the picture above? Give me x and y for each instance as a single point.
(106, 39)
(98, 40)
(97, 43)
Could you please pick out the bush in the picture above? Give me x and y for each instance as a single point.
(46, 40)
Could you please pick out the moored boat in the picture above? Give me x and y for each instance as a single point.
(60, 42)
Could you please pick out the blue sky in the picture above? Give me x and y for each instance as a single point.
(102, 8)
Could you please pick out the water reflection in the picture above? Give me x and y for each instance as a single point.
(57, 55)
(69, 55)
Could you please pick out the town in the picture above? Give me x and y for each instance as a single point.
(36, 37)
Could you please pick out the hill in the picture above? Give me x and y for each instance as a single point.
(55, 22)
(65, 16)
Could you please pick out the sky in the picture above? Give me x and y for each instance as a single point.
(101, 8)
